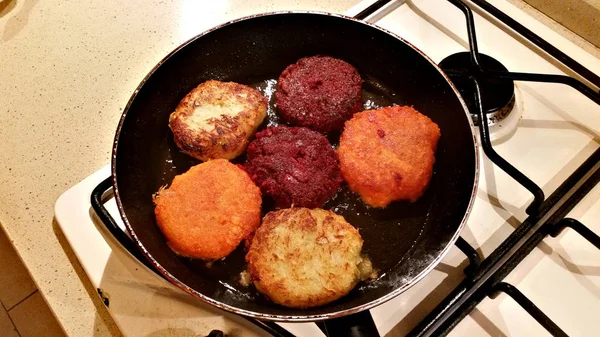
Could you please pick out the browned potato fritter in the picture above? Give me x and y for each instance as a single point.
(216, 119)
(209, 210)
(303, 258)
(388, 154)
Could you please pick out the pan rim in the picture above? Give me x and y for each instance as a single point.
(292, 318)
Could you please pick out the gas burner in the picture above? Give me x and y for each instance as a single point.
(500, 97)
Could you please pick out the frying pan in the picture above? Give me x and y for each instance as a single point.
(404, 241)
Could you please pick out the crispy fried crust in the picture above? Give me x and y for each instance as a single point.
(216, 119)
(303, 258)
(209, 210)
(388, 154)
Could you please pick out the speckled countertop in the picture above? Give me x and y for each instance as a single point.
(67, 70)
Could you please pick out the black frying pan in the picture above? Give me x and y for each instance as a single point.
(405, 240)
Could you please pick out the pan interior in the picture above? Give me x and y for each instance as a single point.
(402, 240)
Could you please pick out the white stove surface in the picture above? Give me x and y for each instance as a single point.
(558, 130)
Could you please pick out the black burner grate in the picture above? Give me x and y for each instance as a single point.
(486, 280)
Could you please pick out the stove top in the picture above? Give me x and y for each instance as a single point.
(543, 168)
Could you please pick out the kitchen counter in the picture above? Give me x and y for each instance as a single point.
(67, 70)
(580, 16)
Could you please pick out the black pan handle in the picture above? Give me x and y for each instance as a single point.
(111, 225)
(356, 325)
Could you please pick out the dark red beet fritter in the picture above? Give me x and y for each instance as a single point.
(319, 92)
(294, 165)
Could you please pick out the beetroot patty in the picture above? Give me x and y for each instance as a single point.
(294, 165)
(319, 92)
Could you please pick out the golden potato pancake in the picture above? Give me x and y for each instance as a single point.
(388, 154)
(216, 119)
(209, 210)
(302, 257)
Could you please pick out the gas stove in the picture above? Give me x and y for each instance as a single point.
(514, 271)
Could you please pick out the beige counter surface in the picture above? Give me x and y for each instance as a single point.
(67, 69)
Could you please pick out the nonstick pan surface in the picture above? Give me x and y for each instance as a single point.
(404, 241)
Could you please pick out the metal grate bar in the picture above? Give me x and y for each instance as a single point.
(484, 132)
(548, 78)
(538, 41)
(530, 307)
(471, 253)
(371, 9)
(473, 289)
(486, 143)
(578, 227)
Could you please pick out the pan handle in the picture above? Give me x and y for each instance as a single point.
(371, 9)
(111, 224)
(356, 325)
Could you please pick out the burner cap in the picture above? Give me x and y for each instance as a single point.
(497, 95)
